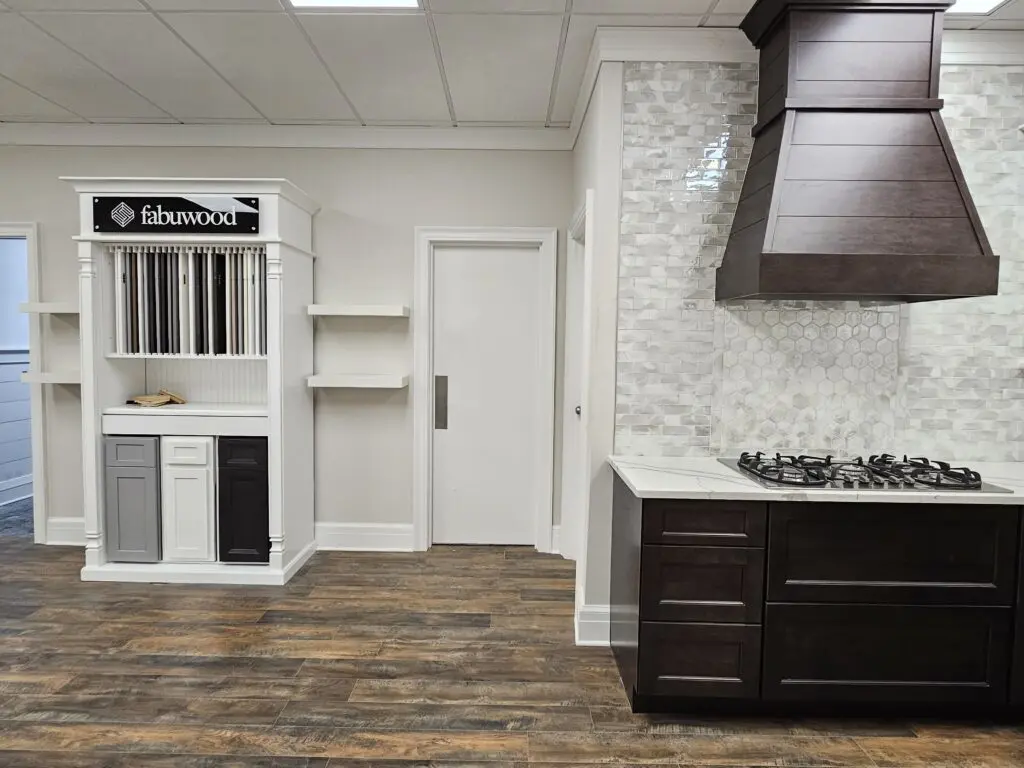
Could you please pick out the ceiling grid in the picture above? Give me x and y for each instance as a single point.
(450, 63)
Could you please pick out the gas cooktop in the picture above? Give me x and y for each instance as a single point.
(883, 472)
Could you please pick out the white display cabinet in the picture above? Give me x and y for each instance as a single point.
(242, 381)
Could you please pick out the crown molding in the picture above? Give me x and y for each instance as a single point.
(282, 136)
(983, 47)
(622, 44)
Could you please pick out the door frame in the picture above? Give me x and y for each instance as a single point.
(30, 232)
(577, 512)
(427, 240)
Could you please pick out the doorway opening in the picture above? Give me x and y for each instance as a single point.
(16, 491)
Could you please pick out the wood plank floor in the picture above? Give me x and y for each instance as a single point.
(460, 657)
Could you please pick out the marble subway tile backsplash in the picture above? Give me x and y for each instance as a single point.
(697, 378)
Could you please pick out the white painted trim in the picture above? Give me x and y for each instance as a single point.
(65, 531)
(195, 573)
(983, 47)
(30, 231)
(15, 489)
(556, 540)
(298, 561)
(621, 44)
(365, 537)
(427, 239)
(282, 136)
(593, 623)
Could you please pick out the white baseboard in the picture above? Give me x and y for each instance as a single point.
(365, 537)
(299, 560)
(66, 531)
(186, 573)
(15, 489)
(556, 539)
(592, 625)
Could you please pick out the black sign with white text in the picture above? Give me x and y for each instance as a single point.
(192, 215)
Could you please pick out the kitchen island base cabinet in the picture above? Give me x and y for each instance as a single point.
(187, 489)
(243, 508)
(786, 607)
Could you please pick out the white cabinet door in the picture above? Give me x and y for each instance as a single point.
(187, 508)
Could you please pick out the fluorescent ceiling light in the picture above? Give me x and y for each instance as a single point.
(355, 3)
(975, 7)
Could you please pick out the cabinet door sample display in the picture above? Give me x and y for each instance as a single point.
(132, 504)
(189, 300)
(243, 509)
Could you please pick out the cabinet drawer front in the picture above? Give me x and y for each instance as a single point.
(892, 553)
(186, 451)
(124, 451)
(242, 452)
(703, 584)
(705, 523)
(701, 660)
(886, 653)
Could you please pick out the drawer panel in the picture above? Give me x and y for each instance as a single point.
(701, 660)
(186, 451)
(929, 554)
(702, 584)
(123, 451)
(704, 523)
(886, 653)
(242, 452)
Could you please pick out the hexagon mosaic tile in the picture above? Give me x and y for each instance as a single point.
(697, 379)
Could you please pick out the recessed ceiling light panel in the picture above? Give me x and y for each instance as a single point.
(381, 4)
(975, 7)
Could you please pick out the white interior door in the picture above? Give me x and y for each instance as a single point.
(489, 304)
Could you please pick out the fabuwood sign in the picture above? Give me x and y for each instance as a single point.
(193, 215)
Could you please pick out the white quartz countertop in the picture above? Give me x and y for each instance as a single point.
(680, 478)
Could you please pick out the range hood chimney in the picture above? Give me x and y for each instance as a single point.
(853, 190)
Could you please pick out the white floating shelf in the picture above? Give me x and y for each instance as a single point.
(358, 310)
(189, 409)
(357, 381)
(155, 356)
(48, 308)
(54, 377)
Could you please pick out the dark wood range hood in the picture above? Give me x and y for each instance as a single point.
(853, 190)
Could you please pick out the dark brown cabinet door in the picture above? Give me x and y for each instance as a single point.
(705, 523)
(886, 653)
(931, 554)
(701, 660)
(703, 584)
(243, 509)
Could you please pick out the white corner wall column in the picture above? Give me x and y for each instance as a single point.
(427, 239)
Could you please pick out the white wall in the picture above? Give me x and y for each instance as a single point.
(15, 411)
(597, 165)
(372, 200)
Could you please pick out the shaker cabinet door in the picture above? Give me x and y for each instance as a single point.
(244, 516)
(188, 516)
(132, 514)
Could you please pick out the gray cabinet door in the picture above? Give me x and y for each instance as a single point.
(133, 514)
(125, 451)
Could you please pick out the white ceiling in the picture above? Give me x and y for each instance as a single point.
(456, 62)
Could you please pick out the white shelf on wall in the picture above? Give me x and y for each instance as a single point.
(53, 377)
(48, 308)
(358, 310)
(156, 356)
(357, 381)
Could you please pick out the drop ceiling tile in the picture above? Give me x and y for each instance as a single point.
(268, 59)
(385, 63)
(142, 53)
(499, 67)
(75, 5)
(215, 5)
(724, 20)
(577, 51)
(497, 6)
(17, 103)
(35, 60)
(733, 6)
(674, 7)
